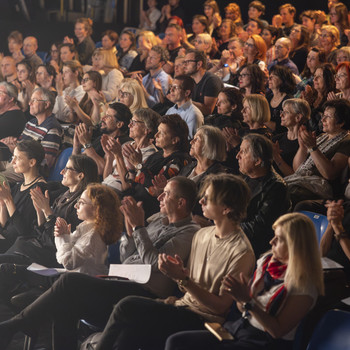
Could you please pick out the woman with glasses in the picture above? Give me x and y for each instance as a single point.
(251, 80)
(255, 51)
(131, 94)
(342, 82)
(282, 86)
(295, 112)
(300, 38)
(54, 57)
(314, 58)
(321, 159)
(89, 108)
(329, 40)
(323, 84)
(142, 128)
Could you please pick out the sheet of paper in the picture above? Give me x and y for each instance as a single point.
(346, 301)
(136, 273)
(45, 271)
(330, 264)
(1, 236)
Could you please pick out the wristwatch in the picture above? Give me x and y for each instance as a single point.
(87, 145)
(138, 166)
(248, 305)
(183, 283)
(312, 149)
(137, 228)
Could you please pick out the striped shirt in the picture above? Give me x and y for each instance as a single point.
(49, 133)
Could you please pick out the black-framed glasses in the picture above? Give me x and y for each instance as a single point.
(134, 121)
(85, 80)
(189, 61)
(69, 168)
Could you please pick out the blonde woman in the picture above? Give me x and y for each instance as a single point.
(329, 39)
(145, 40)
(105, 62)
(131, 95)
(284, 288)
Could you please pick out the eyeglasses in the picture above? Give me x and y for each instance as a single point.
(134, 121)
(296, 30)
(200, 42)
(71, 169)
(249, 44)
(285, 112)
(174, 87)
(33, 100)
(327, 116)
(124, 94)
(85, 80)
(82, 202)
(244, 75)
(339, 76)
(325, 36)
(188, 61)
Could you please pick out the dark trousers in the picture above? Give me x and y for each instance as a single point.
(138, 322)
(246, 337)
(72, 297)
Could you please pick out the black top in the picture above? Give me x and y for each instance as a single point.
(85, 50)
(12, 123)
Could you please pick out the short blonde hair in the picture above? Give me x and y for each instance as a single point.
(110, 60)
(332, 30)
(207, 39)
(214, 147)
(133, 87)
(149, 36)
(304, 260)
(260, 108)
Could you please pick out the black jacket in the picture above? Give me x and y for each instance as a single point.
(269, 201)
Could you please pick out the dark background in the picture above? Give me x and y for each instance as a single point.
(49, 30)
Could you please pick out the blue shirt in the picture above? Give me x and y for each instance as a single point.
(147, 82)
(190, 114)
(287, 63)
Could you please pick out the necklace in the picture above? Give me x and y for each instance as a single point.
(30, 183)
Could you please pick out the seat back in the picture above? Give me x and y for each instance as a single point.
(62, 159)
(320, 222)
(332, 332)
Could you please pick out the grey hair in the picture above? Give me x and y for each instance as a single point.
(11, 90)
(299, 106)
(150, 118)
(47, 95)
(214, 147)
(261, 148)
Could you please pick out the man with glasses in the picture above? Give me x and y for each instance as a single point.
(207, 85)
(44, 127)
(180, 93)
(114, 123)
(283, 47)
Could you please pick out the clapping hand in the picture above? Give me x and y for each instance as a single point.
(238, 289)
(62, 228)
(172, 267)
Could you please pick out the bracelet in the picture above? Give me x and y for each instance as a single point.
(183, 283)
(341, 235)
(49, 217)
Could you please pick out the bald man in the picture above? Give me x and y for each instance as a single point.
(30, 45)
(8, 69)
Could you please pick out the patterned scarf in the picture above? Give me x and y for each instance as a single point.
(268, 280)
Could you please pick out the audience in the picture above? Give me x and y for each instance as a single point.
(180, 74)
